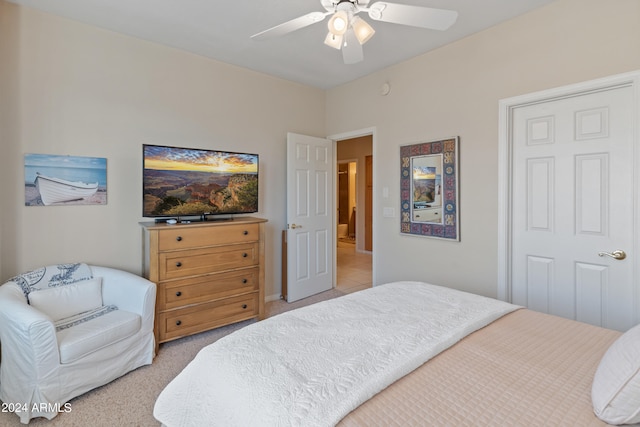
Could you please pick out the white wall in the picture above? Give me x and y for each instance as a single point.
(8, 134)
(83, 91)
(68, 88)
(455, 91)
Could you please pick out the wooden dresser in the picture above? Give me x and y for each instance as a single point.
(208, 274)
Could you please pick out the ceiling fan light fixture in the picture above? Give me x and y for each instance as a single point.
(363, 30)
(348, 31)
(339, 23)
(333, 41)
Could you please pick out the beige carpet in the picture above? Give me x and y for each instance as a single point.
(129, 400)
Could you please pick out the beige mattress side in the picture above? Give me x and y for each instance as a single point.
(525, 369)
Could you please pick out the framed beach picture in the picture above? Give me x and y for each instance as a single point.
(64, 180)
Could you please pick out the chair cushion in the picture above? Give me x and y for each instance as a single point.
(85, 338)
(72, 321)
(68, 300)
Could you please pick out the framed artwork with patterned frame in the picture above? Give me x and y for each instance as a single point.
(429, 204)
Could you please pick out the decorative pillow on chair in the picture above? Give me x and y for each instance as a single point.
(616, 386)
(68, 300)
(52, 276)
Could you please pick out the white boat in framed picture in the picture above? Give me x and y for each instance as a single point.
(65, 180)
(55, 190)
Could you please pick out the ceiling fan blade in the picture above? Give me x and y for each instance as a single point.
(290, 26)
(415, 16)
(351, 49)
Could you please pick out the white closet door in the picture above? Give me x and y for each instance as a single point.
(573, 199)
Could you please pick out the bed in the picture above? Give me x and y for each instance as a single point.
(410, 354)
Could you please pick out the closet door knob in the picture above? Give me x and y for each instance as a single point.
(617, 254)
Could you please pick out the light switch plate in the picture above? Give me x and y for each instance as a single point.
(385, 192)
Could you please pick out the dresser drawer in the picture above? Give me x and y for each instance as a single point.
(175, 265)
(186, 321)
(183, 237)
(184, 292)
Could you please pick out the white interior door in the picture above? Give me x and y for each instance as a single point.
(573, 203)
(310, 210)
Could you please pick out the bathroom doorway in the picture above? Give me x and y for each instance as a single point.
(347, 201)
(354, 192)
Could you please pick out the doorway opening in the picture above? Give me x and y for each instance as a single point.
(354, 192)
(346, 203)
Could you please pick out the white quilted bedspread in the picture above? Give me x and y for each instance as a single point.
(314, 365)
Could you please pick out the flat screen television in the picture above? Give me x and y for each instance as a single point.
(182, 182)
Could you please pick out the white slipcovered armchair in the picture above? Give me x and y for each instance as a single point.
(66, 329)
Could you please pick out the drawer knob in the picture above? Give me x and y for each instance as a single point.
(244, 255)
(245, 232)
(179, 238)
(178, 322)
(244, 280)
(244, 305)
(178, 264)
(178, 293)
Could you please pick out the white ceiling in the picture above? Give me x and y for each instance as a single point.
(222, 29)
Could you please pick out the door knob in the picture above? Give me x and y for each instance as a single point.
(617, 254)
(294, 226)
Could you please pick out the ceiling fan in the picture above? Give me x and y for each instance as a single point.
(348, 32)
